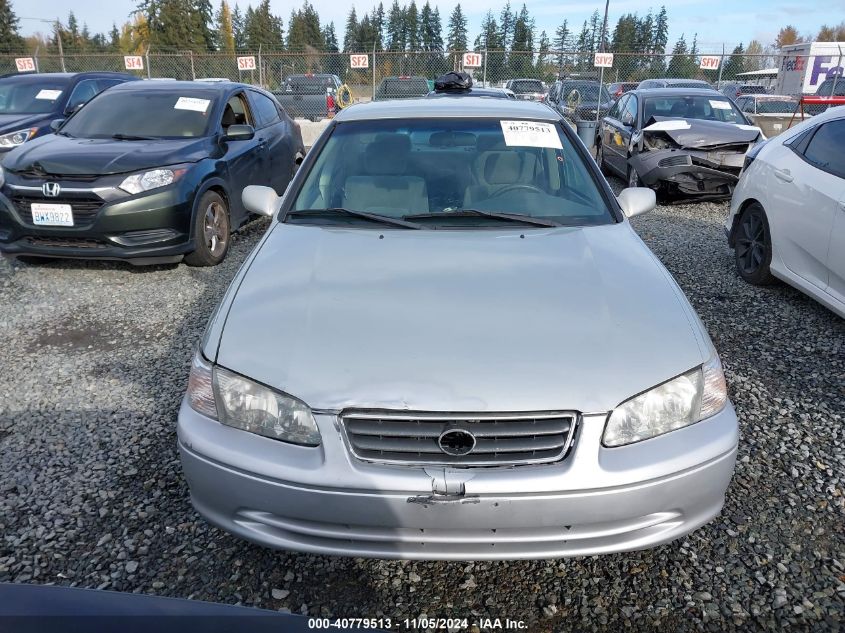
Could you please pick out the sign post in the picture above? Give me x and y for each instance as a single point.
(602, 61)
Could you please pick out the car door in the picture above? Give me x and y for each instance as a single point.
(245, 159)
(626, 132)
(806, 194)
(277, 142)
(611, 135)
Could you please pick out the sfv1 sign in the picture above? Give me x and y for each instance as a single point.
(603, 60)
(472, 60)
(710, 62)
(359, 61)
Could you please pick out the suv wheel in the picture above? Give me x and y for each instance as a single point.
(212, 231)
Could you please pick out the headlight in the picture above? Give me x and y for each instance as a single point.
(687, 399)
(153, 179)
(13, 139)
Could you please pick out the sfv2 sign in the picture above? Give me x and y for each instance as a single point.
(359, 61)
(472, 60)
(603, 60)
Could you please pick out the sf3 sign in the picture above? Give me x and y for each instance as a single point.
(710, 62)
(246, 63)
(472, 60)
(359, 61)
(25, 64)
(603, 60)
(133, 62)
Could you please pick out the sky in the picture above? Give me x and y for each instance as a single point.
(717, 22)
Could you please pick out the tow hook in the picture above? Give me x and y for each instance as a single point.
(447, 487)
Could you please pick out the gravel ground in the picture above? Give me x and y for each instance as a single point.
(94, 361)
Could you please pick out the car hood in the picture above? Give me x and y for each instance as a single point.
(696, 133)
(15, 122)
(566, 318)
(57, 154)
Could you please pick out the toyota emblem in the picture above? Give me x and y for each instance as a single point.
(456, 442)
(51, 189)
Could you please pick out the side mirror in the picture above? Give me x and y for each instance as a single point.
(55, 124)
(259, 199)
(636, 201)
(239, 133)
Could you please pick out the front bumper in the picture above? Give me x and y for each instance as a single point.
(322, 500)
(689, 173)
(144, 229)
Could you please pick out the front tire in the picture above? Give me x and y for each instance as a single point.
(753, 247)
(212, 231)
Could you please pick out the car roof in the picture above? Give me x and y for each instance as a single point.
(465, 107)
(472, 92)
(675, 80)
(674, 92)
(93, 73)
(215, 87)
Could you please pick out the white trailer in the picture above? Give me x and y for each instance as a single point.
(802, 67)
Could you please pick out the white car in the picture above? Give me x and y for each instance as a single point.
(787, 217)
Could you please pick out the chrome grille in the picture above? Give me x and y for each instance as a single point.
(504, 439)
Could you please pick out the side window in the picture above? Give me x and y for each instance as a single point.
(82, 93)
(630, 115)
(265, 109)
(825, 148)
(102, 84)
(237, 112)
(618, 108)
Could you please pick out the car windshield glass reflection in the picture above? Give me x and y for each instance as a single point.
(178, 114)
(28, 97)
(705, 108)
(430, 170)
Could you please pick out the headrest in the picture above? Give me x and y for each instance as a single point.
(506, 168)
(388, 155)
(228, 116)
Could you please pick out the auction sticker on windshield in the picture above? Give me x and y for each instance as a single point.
(51, 214)
(720, 105)
(49, 95)
(192, 103)
(530, 134)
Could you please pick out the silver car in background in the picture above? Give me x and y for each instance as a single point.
(451, 344)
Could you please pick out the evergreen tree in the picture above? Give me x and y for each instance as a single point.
(682, 63)
(238, 21)
(114, 38)
(595, 32)
(624, 38)
(10, 37)
(507, 21)
(735, 63)
(330, 38)
(562, 43)
(456, 36)
(378, 23)
(225, 35)
(431, 36)
(521, 60)
(304, 29)
(660, 39)
(412, 26)
(543, 57)
(489, 39)
(262, 29)
(203, 19)
(350, 37)
(396, 38)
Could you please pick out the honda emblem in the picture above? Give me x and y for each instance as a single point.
(51, 189)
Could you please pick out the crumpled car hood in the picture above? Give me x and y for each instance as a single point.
(485, 320)
(696, 133)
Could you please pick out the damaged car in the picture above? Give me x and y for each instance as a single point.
(679, 142)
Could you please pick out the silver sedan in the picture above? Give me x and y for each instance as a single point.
(451, 344)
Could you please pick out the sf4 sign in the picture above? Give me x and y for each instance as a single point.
(133, 62)
(246, 63)
(359, 61)
(603, 60)
(472, 60)
(710, 62)
(25, 64)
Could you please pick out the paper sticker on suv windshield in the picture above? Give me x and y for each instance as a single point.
(49, 95)
(719, 105)
(192, 103)
(530, 134)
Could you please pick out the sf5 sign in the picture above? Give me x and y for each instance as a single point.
(133, 62)
(603, 60)
(246, 63)
(359, 61)
(25, 64)
(472, 60)
(710, 62)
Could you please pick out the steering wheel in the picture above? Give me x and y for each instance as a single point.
(517, 187)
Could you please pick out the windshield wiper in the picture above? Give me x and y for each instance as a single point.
(375, 217)
(468, 213)
(133, 137)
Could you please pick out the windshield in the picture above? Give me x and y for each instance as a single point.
(776, 106)
(136, 113)
(398, 87)
(707, 108)
(525, 86)
(400, 168)
(24, 96)
(587, 92)
(307, 85)
(751, 90)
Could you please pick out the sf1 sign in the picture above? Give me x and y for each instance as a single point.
(246, 63)
(25, 64)
(710, 62)
(133, 62)
(472, 60)
(359, 61)
(603, 60)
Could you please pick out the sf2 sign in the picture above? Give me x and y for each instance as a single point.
(359, 61)
(710, 62)
(133, 62)
(472, 60)
(25, 64)
(246, 63)
(603, 60)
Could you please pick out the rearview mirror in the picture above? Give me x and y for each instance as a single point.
(259, 199)
(239, 132)
(636, 201)
(55, 124)
(73, 108)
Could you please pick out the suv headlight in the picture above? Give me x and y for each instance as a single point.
(153, 179)
(246, 405)
(682, 401)
(13, 139)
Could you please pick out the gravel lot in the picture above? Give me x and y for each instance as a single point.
(93, 363)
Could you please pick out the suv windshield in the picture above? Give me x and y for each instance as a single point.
(707, 108)
(776, 106)
(19, 95)
(136, 113)
(443, 168)
(526, 86)
(304, 85)
(587, 92)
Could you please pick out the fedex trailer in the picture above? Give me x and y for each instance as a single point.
(802, 67)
